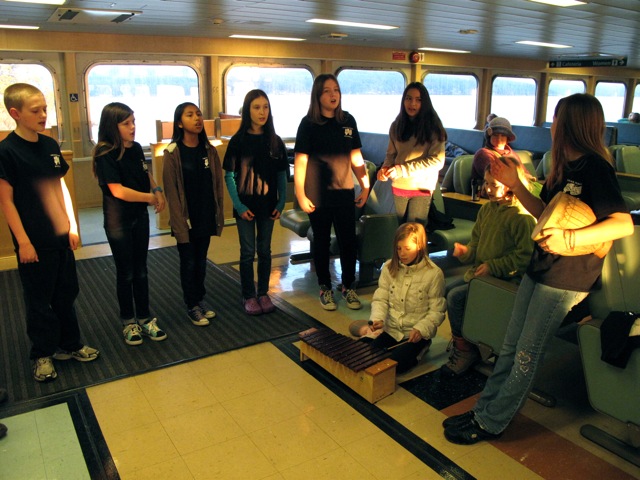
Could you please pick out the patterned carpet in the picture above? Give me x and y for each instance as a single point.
(98, 316)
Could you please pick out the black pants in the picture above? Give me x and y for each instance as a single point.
(129, 245)
(193, 268)
(50, 288)
(343, 219)
(406, 355)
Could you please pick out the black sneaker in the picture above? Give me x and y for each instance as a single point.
(351, 298)
(196, 315)
(468, 433)
(326, 298)
(457, 420)
(206, 310)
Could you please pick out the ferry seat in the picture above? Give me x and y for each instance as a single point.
(544, 166)
(462, 168)
(628, 167)
(295, 219)
(612, 390)
(628, 159)
(462, 174)
(443, 240)
(488, 311)
(375, 232)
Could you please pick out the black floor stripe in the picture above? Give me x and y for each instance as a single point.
(427, 454)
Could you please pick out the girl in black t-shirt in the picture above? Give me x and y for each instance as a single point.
(127, 188)
(327, 151)
(558, 276)
(255, 173)
(193, 182)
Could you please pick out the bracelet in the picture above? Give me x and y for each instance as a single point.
(158, 188)
(569, 239)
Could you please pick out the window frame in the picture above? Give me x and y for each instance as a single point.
(474, 119)
(514, 119)
(381, 127)
(136, 63)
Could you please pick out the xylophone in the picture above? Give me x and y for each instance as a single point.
(365, 369)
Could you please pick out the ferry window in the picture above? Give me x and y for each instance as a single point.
(636, 99)
(559, 89)
(152, 92)
(36, 75)
(288, 89)
(373, 97)
(515, 99)
(454, 97)
(611, 96)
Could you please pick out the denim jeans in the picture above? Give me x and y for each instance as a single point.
(537, 313)
(129, 245)
(255, 235)
(412, 209)
(343, 220)
(456, 302)
(50, 287)
(193, 269)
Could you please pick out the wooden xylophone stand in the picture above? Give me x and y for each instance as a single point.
(373, 383)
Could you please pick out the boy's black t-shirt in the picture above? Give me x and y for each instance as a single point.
(34, 170)
(256, 170)
(198, 190)
(593, 180)
(328, 182)
(130, 171)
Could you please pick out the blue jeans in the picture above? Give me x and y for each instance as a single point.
(537, 313)
(456, 302)
(129, 246)
(412, 209)
(255, 235)
(193, 269)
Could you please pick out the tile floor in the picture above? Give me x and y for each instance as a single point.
(257, 413)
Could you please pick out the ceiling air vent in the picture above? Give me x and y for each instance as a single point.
(91, 16)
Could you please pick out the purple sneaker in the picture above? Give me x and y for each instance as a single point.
(266, 304)
(252, 307)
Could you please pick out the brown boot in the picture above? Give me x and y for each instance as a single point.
(462, 357)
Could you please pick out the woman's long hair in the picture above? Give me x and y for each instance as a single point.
(315, 111)
(109, 137)
(427, 125)
(178, 131)
(414, 231)
(579, 127)
(268, 129)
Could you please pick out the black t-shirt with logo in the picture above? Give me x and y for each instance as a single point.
(34, 170)
(256, 169)
(593, 180)
(328, 182)
(198, 190)
(130, 171)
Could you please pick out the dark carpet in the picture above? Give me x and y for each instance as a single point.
(441, 393)
(97, 311)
